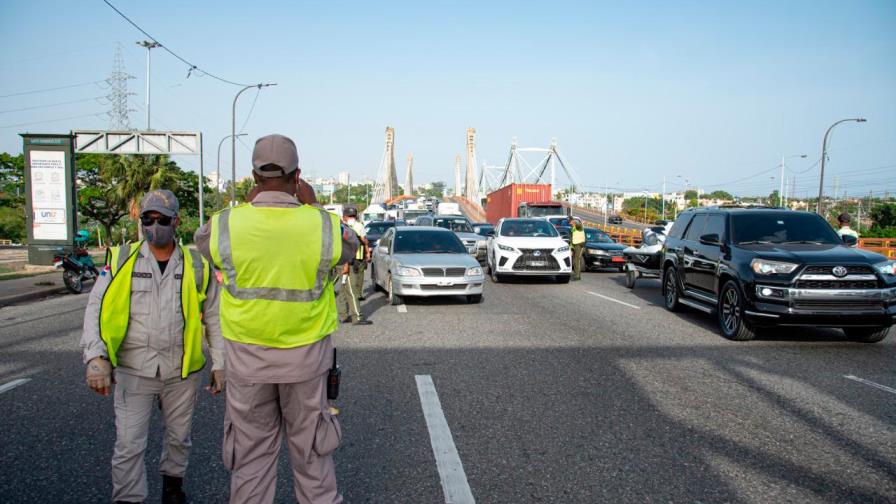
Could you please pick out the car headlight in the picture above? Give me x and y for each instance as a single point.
(564, 248)
(766, 267)
(598, 252)
(505, 247)
(477, 271)
(411, 272)
(887, 268)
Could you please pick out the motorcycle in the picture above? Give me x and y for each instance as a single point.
(77, 266)
(644, 261)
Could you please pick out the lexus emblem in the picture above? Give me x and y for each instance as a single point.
(839, 271)
(537, 253)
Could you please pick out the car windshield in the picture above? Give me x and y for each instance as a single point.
(427, 242)
(378, 227)
(781, 227)
(456, 225)
(528, 228)
(559, 221)
(410, 214)
(597, 236)
(543, 211)
(484, 230)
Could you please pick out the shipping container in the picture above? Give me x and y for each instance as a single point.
(505, 201)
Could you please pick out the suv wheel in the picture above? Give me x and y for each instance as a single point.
(866, 334)
(493, 272)
(670, 289)
(731, 314)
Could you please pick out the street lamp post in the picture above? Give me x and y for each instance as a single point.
(781, 191)
(218, 181)
(824, 153)
(233, 136)
(149, 45)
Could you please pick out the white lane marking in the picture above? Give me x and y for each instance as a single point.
(13, 384)
(451, 471)
(870, 383)
(402, 308)
(614, 300)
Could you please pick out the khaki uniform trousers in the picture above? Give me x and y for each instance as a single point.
(134, 401)
(357, 278)
(347, 303)
(577, 259)
(255, 419)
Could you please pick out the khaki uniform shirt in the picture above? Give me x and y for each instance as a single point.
(154, 344)
(260, 364)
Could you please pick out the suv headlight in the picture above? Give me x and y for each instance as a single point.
(477, 271)
(766, 267)
(564, 248)
(411, 272)
(887, 268)
(505, 247)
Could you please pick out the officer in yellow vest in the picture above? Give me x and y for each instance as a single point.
(578, 247)
(351, 290)
(145, 319)
(278, 310)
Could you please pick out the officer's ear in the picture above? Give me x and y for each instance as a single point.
(176, 221)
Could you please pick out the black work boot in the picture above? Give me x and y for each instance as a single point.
(172, 490)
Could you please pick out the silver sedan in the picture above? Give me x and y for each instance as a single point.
(425, 261)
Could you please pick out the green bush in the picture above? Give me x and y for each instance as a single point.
(12, 224)
(879, 232)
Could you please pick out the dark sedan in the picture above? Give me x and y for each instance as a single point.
(375, 230)
(602, 251)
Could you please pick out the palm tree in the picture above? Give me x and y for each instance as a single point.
(137, 174)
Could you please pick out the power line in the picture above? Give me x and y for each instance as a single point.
(51, 105)
(243, 128)
(169, 51)
(46, 90)
(52, 120)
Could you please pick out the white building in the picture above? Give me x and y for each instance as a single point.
(344, 178)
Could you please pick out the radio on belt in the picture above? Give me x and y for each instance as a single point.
(333, 378)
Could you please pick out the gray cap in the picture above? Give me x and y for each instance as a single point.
(276, 150)
(160, 200)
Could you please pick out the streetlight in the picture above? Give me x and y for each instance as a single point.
(218, 181)
(233, 140)
(824, 154)
(645, 206)
(781, 191)
(149, 45)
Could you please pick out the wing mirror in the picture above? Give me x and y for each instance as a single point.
(382, 249)
(710, 239)
(850, 240)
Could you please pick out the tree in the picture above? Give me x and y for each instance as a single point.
(884, 216)
(773, 198)
(12, 180)
(98, 197)
(722, 195)
(690, 194)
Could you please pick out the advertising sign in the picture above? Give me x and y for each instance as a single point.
(49, 197)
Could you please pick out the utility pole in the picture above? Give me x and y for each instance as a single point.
(233, 140)
(149, 45)
(606, 203)
(664, 197)
(824, 154)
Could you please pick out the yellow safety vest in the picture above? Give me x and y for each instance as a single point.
(115, 307)
(276, 266)
(578, 236)
(358, 228)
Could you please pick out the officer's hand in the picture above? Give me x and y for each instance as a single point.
(216, 382)
(99, 376)
(305, 193)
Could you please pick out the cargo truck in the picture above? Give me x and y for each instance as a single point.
(522, 200)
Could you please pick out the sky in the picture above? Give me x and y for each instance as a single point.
(710, 94)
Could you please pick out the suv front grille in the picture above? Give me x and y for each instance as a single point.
(860, 269)
(441, 272)
(839, 305)
(836, 284)
(543, 261)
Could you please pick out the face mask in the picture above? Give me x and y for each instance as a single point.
(351, 220)
(159, 235)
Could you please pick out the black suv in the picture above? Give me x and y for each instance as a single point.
(756, 267)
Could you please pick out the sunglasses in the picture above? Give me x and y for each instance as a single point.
(148, 220)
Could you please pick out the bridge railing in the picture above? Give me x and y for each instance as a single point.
(473, 211)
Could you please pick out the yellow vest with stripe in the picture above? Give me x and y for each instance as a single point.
(115, 308)
(275, 264)
(578, 236)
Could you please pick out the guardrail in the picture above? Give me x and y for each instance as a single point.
(884, 246)
(473, 211)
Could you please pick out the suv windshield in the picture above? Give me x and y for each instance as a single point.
(597, 236)
(559, 221)
(458, 225)
(528, 228)
(378, 227)
(543, 211)
(782, 227)
(427, 242)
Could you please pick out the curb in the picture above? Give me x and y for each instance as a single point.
(29, 296)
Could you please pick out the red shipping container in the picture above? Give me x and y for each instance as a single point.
(505, 201)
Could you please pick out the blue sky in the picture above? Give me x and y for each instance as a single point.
(712, 92)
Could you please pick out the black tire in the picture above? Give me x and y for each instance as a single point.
(73, 281)
(493, 273)
(376, 286)
(731, 314)
(394, 299)
(670, 289)
(866, 334)
(630, 277)
(474, 299)
(562, 279)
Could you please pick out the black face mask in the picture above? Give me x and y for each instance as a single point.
(159, 235)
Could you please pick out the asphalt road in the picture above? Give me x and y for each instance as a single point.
(599, 218)
(578, 393)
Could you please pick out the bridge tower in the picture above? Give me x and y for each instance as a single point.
(409, 178)
(471, 187)
(386, 186)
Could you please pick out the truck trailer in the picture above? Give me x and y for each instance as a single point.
(522, 200)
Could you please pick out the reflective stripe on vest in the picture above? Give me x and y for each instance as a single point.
(115, 307)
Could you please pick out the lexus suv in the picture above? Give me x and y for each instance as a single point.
(530, 247)
(761, 267)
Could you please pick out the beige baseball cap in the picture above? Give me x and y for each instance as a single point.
(160, 200)
(274, 156)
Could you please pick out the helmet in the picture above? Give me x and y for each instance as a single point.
(82, 235)
(350, 212)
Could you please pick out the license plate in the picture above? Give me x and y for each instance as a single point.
(618, 259)
(536, 263)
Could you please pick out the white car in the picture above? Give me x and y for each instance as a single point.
(530, 247)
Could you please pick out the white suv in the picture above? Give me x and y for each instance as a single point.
(530, 247)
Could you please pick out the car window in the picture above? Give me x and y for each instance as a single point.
(386, 241)
(715, 224)
(458, 225)
(680, 225)
(528, 228)
(427, 242)
(696, 227)
(782, 227)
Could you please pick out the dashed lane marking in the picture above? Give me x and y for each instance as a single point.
(13, 384)
(402, 308)
(870, 383)
(451, 471)
(614, 300)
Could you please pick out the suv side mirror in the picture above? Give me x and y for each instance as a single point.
(710, 239)
(850, 240)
